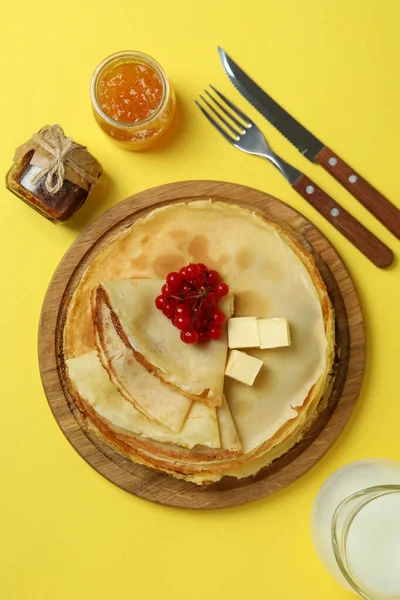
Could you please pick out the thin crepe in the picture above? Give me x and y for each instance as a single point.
(91, 382)
(146, 392)
(270, 275)
(195, 370)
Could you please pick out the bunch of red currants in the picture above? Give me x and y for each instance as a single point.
(190, 299)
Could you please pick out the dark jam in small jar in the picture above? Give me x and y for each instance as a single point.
(53, 174)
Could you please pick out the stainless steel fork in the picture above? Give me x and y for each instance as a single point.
(240, 131)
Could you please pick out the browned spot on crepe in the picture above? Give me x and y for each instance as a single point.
(118, 273)
(245, 258)
(199, 250)
(86, 334)
(181, 238)
(141, 262)
(167, 263)
(179, 234)
(250, 304)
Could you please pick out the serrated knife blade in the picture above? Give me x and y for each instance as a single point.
(300, 137)
(311, 147)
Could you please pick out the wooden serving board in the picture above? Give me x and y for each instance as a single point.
(161, 488)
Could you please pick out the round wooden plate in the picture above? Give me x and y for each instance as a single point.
(161, 488)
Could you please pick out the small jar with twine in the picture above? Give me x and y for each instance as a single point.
(53, 174)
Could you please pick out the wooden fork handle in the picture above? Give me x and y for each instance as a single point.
(386, 212)
(357, 234)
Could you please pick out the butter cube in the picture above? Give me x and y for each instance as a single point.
(243, 333)
(243, 367)
(273, 333)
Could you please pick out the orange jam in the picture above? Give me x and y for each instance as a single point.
(132, 99)
(129, 92)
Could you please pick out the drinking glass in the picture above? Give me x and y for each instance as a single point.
(356, 528)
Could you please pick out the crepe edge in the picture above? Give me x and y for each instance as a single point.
(328, 315)
(102, 296)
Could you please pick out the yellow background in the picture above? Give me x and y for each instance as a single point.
(65, 532)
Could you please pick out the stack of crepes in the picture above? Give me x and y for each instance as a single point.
(168, 405)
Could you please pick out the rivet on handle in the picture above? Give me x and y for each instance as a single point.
(332, 161)
(310, 189)
(335, 212)
(353, 178)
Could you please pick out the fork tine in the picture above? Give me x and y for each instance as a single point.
(215, 124)
(241, 114)
(226, 112)
(221, 118)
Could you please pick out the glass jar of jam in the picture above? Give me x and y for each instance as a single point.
(53, 174)
(132, 100)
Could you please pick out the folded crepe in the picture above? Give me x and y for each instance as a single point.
(201, 429)
(90, 380)
(270, 275)
(147, 393)
(196, 370)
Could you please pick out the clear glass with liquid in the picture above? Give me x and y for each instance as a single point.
(356, 528)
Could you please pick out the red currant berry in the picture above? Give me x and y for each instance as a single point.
(203, 337)
(218, 317)
(213, 277)
(182, 322)
(192, 272)
(190, 302)
(174, 281)
(211, 297)
(187, 288)
(202, 267)
(197, 323)
(160, 302)
(174, 302)
(168, 310)
(165, 289)
(215, 333)
(189, 337)
(205, 323)
(197, 310)
(222, 289)
(200, 280)
(181, 310)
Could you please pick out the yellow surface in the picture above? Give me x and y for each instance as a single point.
(65, 532)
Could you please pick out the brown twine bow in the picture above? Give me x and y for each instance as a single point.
(53, 141)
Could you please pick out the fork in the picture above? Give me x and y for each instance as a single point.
(243, 133)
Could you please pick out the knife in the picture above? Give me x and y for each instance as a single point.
(311, 147)
(247, 137)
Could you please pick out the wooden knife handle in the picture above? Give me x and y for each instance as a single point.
(352, 229)
(386, 212)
